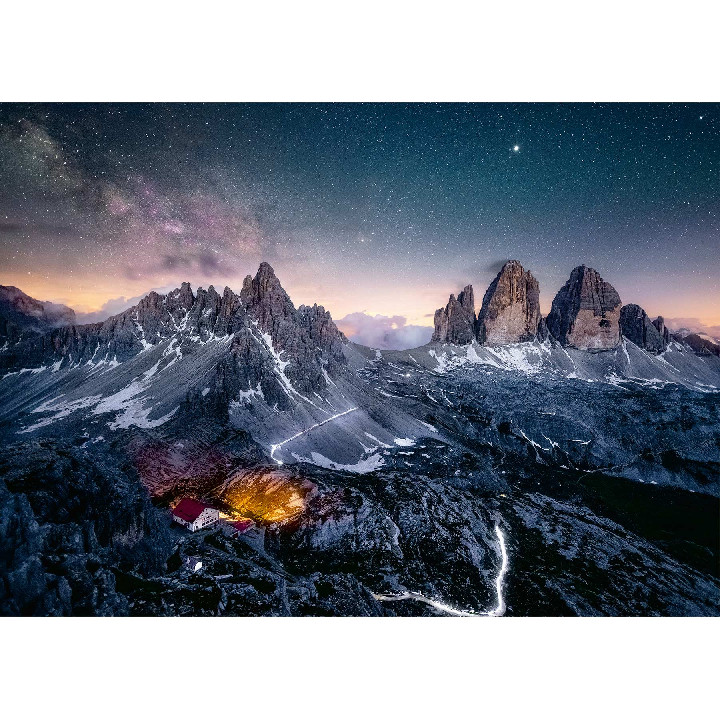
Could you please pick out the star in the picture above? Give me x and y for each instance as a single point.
(117, 214)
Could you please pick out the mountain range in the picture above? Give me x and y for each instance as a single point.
(584, 444)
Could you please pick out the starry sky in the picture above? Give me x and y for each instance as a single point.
(377, 211)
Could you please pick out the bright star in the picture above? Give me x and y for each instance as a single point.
(516, 148)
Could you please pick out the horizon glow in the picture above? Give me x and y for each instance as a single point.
(380, 209)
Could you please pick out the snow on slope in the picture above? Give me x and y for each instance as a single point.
(625, 364)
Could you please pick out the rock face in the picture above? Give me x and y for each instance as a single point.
(308, 335)
(67, 518)
(455, 323)
(659, 323)
(269, 305)
(510, 310)
(585, 313)
(636, 326)
(21, 314)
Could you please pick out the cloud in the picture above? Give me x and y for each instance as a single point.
(694, 325)
(111, 307)
(495, 266)
(383, 332)
(195, 264)
(115, 306)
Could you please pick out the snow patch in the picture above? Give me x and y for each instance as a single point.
(245, 397)
(367, 465)
(404, 442)
(60, 410)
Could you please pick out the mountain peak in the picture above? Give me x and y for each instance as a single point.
(266, 300)
(455, 323)
(467, 298)
(586, 312)
(266, 269)
(183, 296)
(510, 310)
(636, 326)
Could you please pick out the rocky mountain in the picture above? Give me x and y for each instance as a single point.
(701, 345)
(659, 323)
(637, 327)
(510, 311)
(455, 323)
(585, 313)
(308, 334)
(20, 314)
(529, 478)
(257, 326)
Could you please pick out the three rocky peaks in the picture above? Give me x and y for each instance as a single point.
(586, 314)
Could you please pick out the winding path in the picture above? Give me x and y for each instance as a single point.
(443, 607)
(276, 447)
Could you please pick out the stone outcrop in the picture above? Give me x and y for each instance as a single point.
(308, 335)
(585, 313)
(268, 304)
(510, 311)
(68, 519)
(455, 323)
(659, 323)
(636, 326)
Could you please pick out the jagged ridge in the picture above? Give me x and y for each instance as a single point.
(271, 342)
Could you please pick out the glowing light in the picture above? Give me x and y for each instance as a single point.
(268, 497)
(448, 609)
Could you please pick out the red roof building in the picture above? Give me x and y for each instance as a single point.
(194, 514)
(242, 525)
(233, 528)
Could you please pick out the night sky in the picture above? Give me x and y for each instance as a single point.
(367, 209)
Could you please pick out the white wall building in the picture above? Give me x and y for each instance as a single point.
(195, 515)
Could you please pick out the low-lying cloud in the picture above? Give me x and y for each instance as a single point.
(383, 332)
(693, 325)
(114, 306)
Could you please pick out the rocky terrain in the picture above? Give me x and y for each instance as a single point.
(659, 323)
(701, 345)
(490, 472)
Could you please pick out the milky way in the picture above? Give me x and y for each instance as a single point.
(368, 209)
